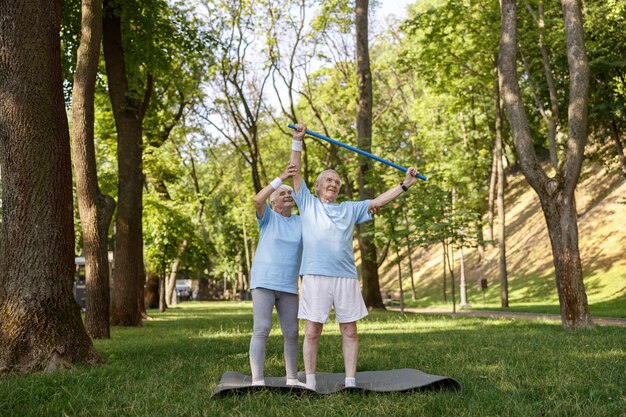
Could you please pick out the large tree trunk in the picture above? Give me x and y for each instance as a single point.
(128, 114)
(40, 325)
(365, 231)
(556, 194)
(96, 210)
(504, 279)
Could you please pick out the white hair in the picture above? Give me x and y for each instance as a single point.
(276, 192)
(324, 173)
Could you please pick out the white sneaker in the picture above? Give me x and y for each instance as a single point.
(293, 382)
(311, 382)
(350, 382)
(259, 383)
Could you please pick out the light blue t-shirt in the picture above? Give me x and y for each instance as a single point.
(277, 259)
(327, 234)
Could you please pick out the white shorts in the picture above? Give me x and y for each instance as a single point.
(320, 293)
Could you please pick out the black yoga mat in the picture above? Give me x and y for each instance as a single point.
(395, 380)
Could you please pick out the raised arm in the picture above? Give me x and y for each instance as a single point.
(265, 193)
(394, 192)
(296, 155)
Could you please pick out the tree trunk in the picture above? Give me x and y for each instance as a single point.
(96, 210)
(246, 251)
(409, 252)
(452, 280)
(504, 280)
(162, 302)
(365, 231)
(619, 149)
(480, 247)
(556, 194)
(128, 114)
(561, 218)
(445, 261)
(41, 326)
(492, 195)
(171, 282)
(463, 282)
(398, 262)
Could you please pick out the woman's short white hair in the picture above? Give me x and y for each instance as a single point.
(326, 172)
(277, 191)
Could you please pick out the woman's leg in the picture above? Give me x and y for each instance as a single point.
(262, 306)
(287, 308)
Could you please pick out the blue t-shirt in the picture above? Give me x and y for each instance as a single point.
(277, 259)
(327, 234)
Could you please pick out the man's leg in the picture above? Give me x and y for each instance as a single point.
(350, 350)
(312, 332)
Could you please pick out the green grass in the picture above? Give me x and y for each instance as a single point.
(171, 365)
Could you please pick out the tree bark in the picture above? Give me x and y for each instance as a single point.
(40, 325)
(452, 279)
(128, 113)
(398, 263)
(365, 231)
(463, 282)
(492, 194)
(95, 209)
(504, 280)
(445, 261)
(555, 194)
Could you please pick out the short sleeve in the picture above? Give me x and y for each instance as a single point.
(303, 198)
(361, 212)
(266, 216)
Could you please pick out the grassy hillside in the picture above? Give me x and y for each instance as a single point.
(601, 202)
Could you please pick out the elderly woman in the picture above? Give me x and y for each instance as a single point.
(274, 275)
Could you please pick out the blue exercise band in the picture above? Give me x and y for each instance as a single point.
(357, 150)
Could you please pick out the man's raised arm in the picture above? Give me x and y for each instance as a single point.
(296, 155)
(394, 192)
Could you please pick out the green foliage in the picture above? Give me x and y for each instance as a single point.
(607, 61)
(433, 109)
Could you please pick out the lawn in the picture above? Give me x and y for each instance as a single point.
(171, 365)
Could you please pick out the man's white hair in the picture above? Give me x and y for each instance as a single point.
(326, 172)
(274, 195)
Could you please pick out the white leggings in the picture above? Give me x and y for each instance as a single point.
(263, 302)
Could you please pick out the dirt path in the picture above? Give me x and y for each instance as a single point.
(602, 321)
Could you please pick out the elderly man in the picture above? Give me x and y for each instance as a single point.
(329, 273)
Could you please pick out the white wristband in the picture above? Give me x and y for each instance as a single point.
(276, 182)
(296, 145)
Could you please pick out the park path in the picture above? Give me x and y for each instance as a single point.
(602, 321)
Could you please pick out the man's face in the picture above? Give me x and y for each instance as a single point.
(327, 187)
(283, 200)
